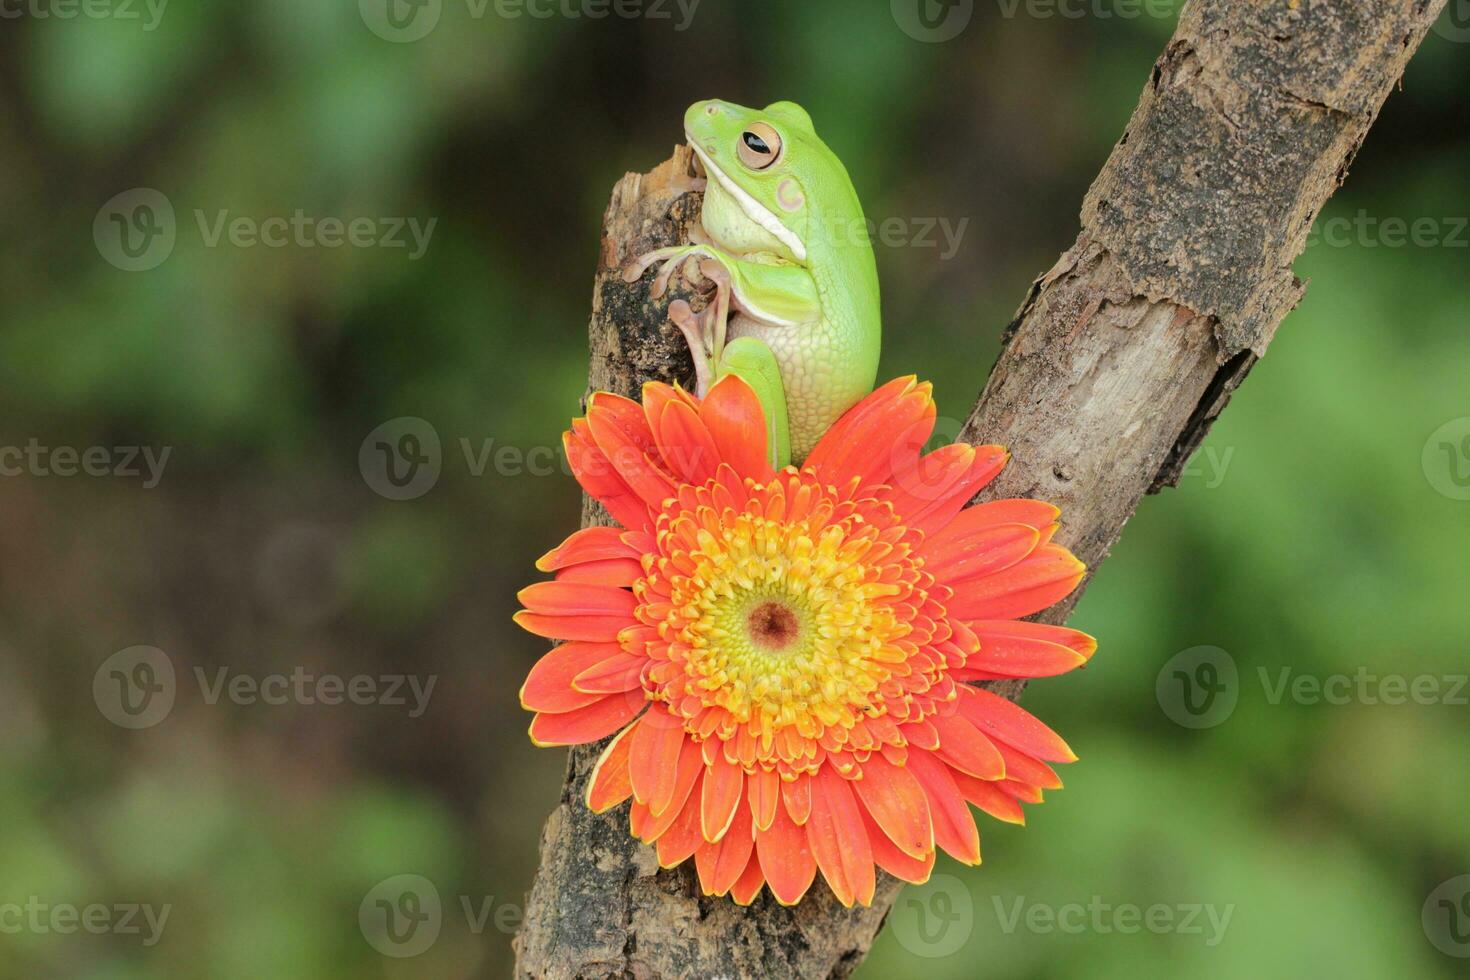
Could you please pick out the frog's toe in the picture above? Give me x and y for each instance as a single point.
(694, 327)
(661, 281)
(714, 270)
(634, 270)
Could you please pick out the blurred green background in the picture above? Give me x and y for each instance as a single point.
(1322, 530)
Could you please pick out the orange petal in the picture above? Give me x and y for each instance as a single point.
(548, 686)
(654, 397)
(732, 413)
(748, 886)
(883, 395)
(682, 839)
(1044, 578)
(975, 674)
(1032, 513)
(838, 839)
(578, 599)
(688, 449)
(915, 871)
(596, 721)
(658, 744)
(933, 476)
(989, 797)
(985, 465)
(609, 785)
(724, 788)
(764, 789)
(628, 454)
(558, 627)
(641, 542)
(881, 433)
(649, 826)
(1013, 725)
(999, 629)
(981, 552)
(1024, 792)
(719, 865)
(797, 795)
(786, 858)
(595, 473)
(1021, 766)
(575, 610)
(921, 733)
(954, 828)
(612, 571)
(897, 803)
(1020, 649)
(620, 673)
(965, 747)
(624, 413)
(588, 544)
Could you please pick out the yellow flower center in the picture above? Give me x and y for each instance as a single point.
(786, 621)
(782, 630)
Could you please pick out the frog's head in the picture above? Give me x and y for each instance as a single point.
(773, 184)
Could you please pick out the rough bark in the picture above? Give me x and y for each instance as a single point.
(1113, 370)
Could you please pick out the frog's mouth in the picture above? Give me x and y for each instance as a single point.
(754, 210)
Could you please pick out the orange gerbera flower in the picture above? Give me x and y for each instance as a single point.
(781, 654)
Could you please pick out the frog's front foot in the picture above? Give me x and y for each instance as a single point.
(672, 258)
(634, 270)
(704, 331)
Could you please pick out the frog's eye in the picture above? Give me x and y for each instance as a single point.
(759, 146)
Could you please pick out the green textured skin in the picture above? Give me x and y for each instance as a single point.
(827, 350)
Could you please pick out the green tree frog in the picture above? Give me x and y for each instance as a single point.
(795, 313)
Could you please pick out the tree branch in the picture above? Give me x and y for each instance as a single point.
(1114, 368)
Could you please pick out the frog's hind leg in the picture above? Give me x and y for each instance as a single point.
(704, 331)
(717, 324)
(754, 363)
(696, 331)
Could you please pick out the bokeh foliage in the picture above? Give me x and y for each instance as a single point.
(1306, 536)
